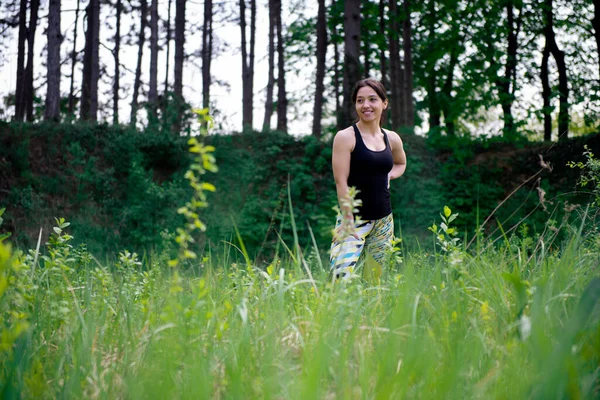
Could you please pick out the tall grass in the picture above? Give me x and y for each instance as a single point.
(511, 322)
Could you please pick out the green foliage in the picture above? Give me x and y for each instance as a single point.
(590, 172)
(503, 328)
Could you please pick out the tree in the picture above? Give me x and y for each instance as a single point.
(71, 107)
(551, 47)
(351, 56)
(179, 58)
(596, 26)
(168, 44)
(153, 89)
(116, 52)
(247, 63)
(207, 51)
(320, 72)
(91, 63)
(271, 68)
(409, 108)
(138, 70)
(24, 89)
(396, 68)
(52, 111)
(281, 91)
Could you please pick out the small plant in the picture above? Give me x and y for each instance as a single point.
(3, 236)
(204, 161)
(446, 236)
(590, 172)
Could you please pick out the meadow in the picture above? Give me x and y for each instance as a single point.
(507, 318)
(519, 320)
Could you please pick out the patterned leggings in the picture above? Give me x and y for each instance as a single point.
(375, 235)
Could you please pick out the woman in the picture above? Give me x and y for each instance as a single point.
(365, 157)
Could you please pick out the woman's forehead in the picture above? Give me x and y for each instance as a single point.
(366, 91)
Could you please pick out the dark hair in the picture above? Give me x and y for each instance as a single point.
(373, 84)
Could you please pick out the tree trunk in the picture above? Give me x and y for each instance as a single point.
(596, 26)
(271, 68)
(28, 93)
(281, 92)
(547, 109)
(351, 56)
(168, 44)
(116, 53)
(71, 107)
(247, 63)
(207, 43)
(446, 92)
(396, 92)
(559, 57)
(507, 83)
(52, 111)
(91, 64)
(383, 33)
(138, 70)
(20, 84)
(432, 95)
(153, 89)
(336, 81)
(409, 108)
(320, 73)
(179, 57)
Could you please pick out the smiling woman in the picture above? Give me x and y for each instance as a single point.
(365, 157)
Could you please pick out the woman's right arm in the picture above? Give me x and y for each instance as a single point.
(343, 144)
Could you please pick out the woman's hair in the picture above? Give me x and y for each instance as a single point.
(373, 84)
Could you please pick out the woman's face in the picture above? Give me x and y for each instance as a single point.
(369, 105)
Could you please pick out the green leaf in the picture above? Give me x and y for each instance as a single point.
(447, 211)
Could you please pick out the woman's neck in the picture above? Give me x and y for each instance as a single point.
(368, 128)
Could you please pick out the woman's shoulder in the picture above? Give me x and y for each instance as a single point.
(345, 138)
(393, 137)
(345, 135)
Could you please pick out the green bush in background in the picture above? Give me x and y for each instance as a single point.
(120, 187)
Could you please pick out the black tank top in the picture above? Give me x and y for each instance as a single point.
(369, 174)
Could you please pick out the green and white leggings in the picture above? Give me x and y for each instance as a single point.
(374, 235)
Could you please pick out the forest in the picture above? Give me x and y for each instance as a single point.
(167, 201)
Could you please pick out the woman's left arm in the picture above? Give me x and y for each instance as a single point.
(398, 155)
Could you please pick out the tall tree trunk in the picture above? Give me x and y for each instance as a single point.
(153, 89)
(20, 87)
(116, 53)
(247, 63)
(383, 33)
(432, 95)
(559, 57)
(366, 47)
(71, 107)
(320, 73)
(168, 44)
(547, 109)
(446, 92)
(351, 56)
(207, 42)
(138, 70)
(271, 68)
(281, 91)
(506, 85)
(396, 72)
(336, 81)
(596, 26)
(28, 94)
(179, 57)
(52, 111)
(409, 108)
(91, 64)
